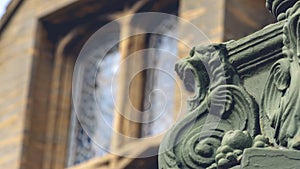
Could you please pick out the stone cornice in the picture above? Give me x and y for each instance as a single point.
(10, 10)
(257, 49)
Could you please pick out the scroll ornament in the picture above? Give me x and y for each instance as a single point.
(223, 117)
(221, 107)
(281, 101)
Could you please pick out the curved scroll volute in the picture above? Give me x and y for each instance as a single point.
(276, 86)
(221, 105)
(281, 101)
(279, 7)
(281, 104)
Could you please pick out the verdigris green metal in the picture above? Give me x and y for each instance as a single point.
(225, 125)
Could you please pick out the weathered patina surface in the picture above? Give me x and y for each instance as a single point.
(224, 119)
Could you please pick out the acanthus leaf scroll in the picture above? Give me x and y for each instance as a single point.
(281, 101)
(223, 114)
(221, 106)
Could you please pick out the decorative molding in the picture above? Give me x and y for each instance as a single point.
(256, 50)
(224, 118)
(279, 7)
(280, 104)
(221, 104)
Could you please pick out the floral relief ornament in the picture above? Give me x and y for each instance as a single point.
(281, 101)
(224, 119)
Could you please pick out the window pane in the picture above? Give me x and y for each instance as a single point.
(106, 93)
(96, 108)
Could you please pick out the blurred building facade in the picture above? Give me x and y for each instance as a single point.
(40, 41)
